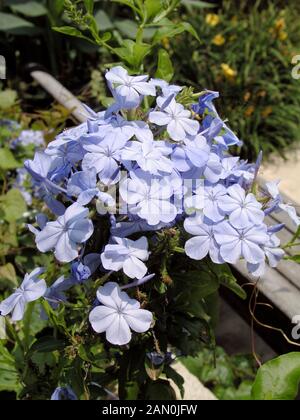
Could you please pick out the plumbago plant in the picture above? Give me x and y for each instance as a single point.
(145, 209)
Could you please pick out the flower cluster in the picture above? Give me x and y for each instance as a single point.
(143, 169)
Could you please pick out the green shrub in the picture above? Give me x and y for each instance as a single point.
(246, 54)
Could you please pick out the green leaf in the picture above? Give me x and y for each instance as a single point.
(278, 379)
(69, 30)
(13, 205)
(57, 7)
(8, 273)
(228, 280)
(133, 53)
(172, 29)
(176, 378)
(9, 22)
(2, 328)
(9, 376)
(165, 69)
(7, 160)
(242, 393)
(198, 4)
(89, 5)
(8, 98)
(47, 344)
(160, 390)
(200, 282)
(127, 27)
(103, 21)
(152, 8)
(295, 258)
(129, 3)
(30, 8)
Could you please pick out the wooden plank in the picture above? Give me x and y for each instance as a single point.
(280, 291)
(291, 271)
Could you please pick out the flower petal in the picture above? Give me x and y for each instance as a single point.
(118, 332)
(139, 320)
(101, 318)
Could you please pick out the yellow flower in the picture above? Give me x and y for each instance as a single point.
(249, 111)
(212, 19)
(247, 96)
(279, 24)
(261, 94)
(228, 72)
(267, 111)
(166, 43)
(218, 40)
(282, 35)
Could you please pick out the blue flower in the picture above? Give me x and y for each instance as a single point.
(149, 198)
(83, 184)
(278, 204)
(125, 229)
(151, 156)
(243, 210)
(167, 90)
(29, 138)
(22, 176)
(204, 242)
(64, 393)
(176, 119)
(128, 90)
(241, 243)
(66, 233)
(206, 103)
(116, 128)
(80, 272)
(274, 255)
(70, 151)
(213, 196)
(233, 169)
(127, 255)
(43, 169)
(31, 289)
(118, 314)
(104, 155)
(55, 293)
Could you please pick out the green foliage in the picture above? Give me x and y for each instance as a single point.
(12, 205)
(29, 8)
(7, 160)
(10, 23)
(228, 377)
(278, 379)
(149, 27)
(9, 376)
(7, 98)
(246, 54)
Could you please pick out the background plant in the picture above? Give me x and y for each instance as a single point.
(246, 54)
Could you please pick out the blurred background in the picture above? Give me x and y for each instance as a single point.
(245, 52)
(245, 49)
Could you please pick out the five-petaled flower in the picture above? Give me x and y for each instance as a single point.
(175, 118)
(129, 90)
(118, 314)
(127, 255)
(66, 233)
(31, 289)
